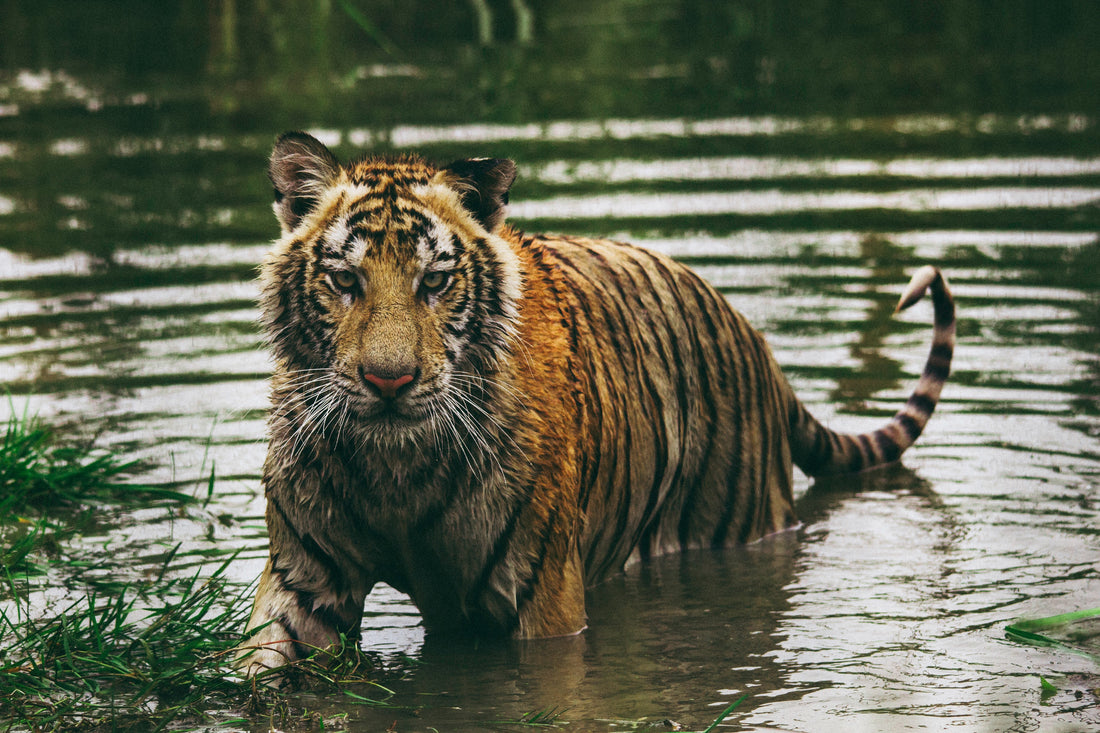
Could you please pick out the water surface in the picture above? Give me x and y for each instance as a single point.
(134, 212)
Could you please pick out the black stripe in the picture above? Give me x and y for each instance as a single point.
(360, 218)
(943, 308)
(702, 293)
(306, 312)
(463, 306)
(666, 346)
(676, 346)
(823, 449)
(653, 417)
(754, 488)
(324, 613)
(941, 351)
(571, 323)
(500, 547)
(300, 650)
(464, 302)
(937, 370)
(535, 567)
(458, 247)
(291, 632)
(851, 450)
(621, 490)
(484, 300)
(836, 449)
(741, 458)
(374, 237)
(804, 437)
(889, 448)
(769, 416)
(582, 294)
(412, 216)
(757, 499)
(921, 403)
(867, 452)
(311, 548)
(911, 427)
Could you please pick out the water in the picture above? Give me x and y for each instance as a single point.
(804, 161)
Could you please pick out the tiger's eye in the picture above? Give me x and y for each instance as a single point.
(435, 281)
(344, 280)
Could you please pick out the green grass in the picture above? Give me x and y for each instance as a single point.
(139, 658)
(49, 490)
(149, 656)
(1076, 631)
(140, 655)
(725, 714)
(40, 473)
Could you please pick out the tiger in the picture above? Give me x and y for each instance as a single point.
(492, 422)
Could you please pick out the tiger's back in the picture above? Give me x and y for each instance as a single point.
(490, 421)
(685, 442)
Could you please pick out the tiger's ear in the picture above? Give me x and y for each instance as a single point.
(300, 168)
(483, 185)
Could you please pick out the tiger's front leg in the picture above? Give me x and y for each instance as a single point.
(289, 627)
(555, 604)
(304, 603)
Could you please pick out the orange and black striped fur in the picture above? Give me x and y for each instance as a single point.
(491, 421)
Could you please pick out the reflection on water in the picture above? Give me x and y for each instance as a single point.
(133, 214)
(659, 205)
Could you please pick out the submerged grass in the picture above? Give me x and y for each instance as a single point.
(133, 655)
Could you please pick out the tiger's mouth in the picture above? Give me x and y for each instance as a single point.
(393, 411)
(430, 409)
(405, 410)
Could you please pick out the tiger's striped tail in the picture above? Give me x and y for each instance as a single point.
(817, 450)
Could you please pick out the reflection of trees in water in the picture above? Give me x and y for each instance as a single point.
(691, 56)
(877, 372)
(1080, 274)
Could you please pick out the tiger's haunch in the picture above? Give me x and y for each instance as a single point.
(491, 421)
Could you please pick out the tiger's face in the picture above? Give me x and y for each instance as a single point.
(389, 296)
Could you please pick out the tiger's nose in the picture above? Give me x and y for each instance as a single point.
(388, 383)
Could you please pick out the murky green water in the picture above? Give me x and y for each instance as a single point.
(804, 157)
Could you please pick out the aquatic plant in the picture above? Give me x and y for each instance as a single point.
(132, 655)
(725, 714)
(37, 473)
(40, 473)
(49, 487)
(1075, 631)
(111, 660)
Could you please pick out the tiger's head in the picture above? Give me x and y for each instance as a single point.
(390, 293)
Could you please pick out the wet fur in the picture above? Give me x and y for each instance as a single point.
(578, 404)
